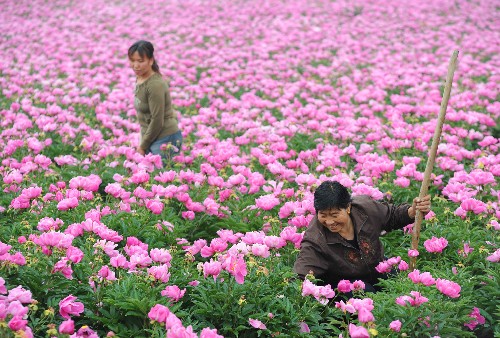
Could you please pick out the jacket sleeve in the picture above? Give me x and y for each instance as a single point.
(395, 215)
(311, 260)
(156, 102)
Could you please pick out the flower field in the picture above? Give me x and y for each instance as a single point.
(273, 98)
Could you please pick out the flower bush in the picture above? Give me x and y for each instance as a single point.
(273, 98)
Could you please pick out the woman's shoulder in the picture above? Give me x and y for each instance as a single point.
(156, 82)
(366, 203)
(362, 199)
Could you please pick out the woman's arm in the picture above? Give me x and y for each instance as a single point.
(310, 261)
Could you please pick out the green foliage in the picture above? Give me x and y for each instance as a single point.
(271, 294)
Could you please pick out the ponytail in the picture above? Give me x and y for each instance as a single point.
(155, 67)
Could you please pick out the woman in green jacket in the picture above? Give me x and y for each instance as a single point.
(160, 132)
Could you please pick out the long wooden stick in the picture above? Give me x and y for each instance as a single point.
(415, 238)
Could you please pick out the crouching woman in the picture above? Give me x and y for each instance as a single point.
(342, 241)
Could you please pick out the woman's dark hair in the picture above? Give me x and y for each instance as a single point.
(331, 194)
(144, 48)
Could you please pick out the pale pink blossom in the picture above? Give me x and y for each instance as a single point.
(448, 288)
(257, 324)
(67, 327)
(395, 325)
(358, 331)
(494, 257)
(173, 292)
(436, 245)
(267, 202)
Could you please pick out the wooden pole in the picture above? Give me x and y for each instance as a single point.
(432, 154)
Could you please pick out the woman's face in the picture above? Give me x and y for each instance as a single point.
(141, 65)
(334, 219)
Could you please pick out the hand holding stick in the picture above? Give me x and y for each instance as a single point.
(432, 154)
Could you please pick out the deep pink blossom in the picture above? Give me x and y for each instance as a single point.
(159, 313)
(17, 323)
(345, 286)
(477, 319)
(106, 273)
(68, 307)
(160, 273)
(179, 331)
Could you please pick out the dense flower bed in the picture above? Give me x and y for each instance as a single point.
(273, 98)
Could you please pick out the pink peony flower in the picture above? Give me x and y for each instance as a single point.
(495, 257)
(304, 328)
(68, 307)
(179, 331)
(106, 273)
(67, 203)
(345, 286)
(212, 268)
(67, 327)
(435, 244)
(257, 324)
(267, 202)
(358, 331)
(395, 325)
(383, 267)
(160, 256)
(474, 205)
(160, 273)
(448, 288)
(17, 323)
(365, 316)
(74, 254)
(403, 266)
(156, 206)
(159, 313)
(3, 289)
(260, 250)
(358, 285)
(236, 266)
(413, 253)
(210, 333)
(477, 319)
(173, 292)
(19, 294)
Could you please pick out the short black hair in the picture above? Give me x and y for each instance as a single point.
(331, 194)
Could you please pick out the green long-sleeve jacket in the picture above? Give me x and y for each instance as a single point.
(154, 110)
